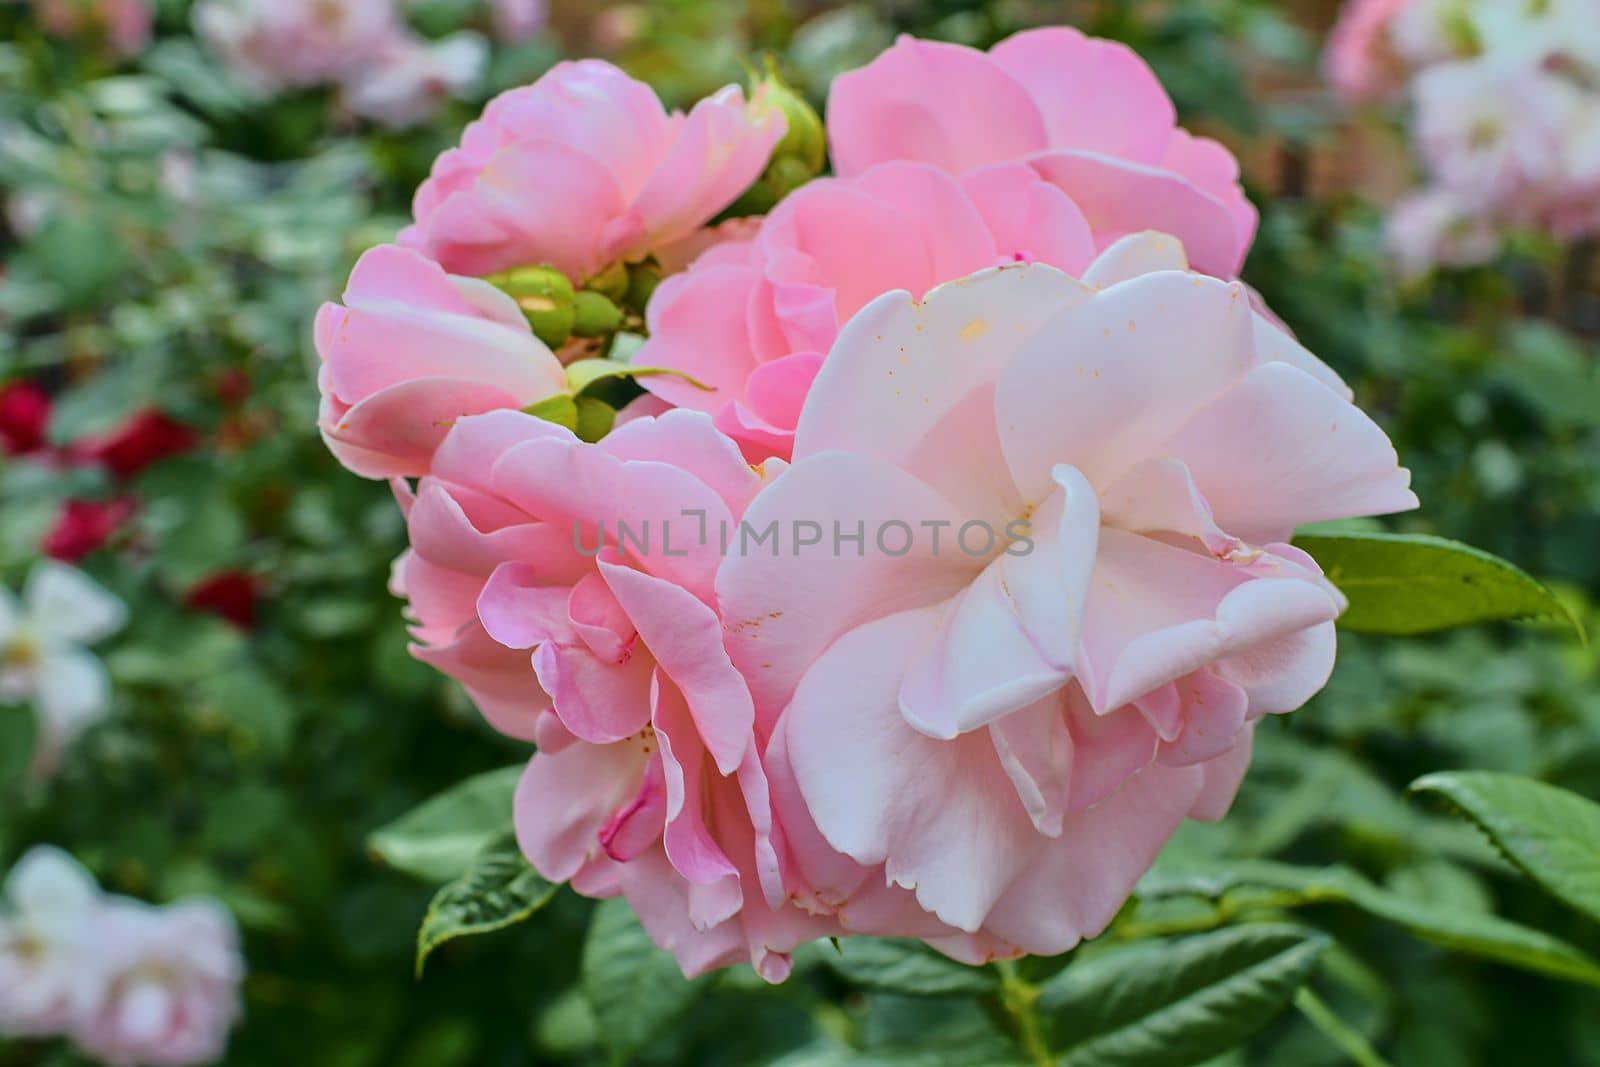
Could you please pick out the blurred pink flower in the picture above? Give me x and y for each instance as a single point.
(1089, 115)
(1360, 59)
(273, 45)
(583, 168)
(609, 650)
(411, 350)
(1007, 726)
(1436, 228)
(410, 77)
(124, 24)
(519, 20)
(753, 319)
(170, 985)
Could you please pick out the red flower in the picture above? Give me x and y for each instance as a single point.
(24, 415)
(146, 438)
(84, 526)
(228, 594)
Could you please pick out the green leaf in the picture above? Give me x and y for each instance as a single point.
(1240, 888)
(1403, 584)
(498, 890)
(439, 839)
(1178, 1002)
(907, 967)
(1550, 834)
(635, 988)
(18, 730)
(584, 374)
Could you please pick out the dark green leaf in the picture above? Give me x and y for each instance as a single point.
(1242, 887)
(1550, 834)
(1411, 584)
(439, 839)
(635, 988)
(498, 890)
(18, 728)
(908, 967)
(1178, 1002)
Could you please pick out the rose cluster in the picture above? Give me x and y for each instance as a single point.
(1507, 116)
(128, 983)
(943, 571)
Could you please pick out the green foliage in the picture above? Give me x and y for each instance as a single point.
(1404, 584)
(440, 839)
(498, 890)
(907, 967)
(1550, 834)
(1169, 1004)
(634, 988)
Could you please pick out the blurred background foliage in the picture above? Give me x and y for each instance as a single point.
(165, 246)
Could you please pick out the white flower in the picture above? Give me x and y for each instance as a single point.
(42, 658)
(170, 989)
(48, 975)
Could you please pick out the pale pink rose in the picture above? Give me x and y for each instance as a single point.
(753, 319)
(1436, 228)
(1008, 722)
(410, 77)
(583, 168)
(1495, 130)
(528, 582)
(1087, 114)
(520, 20)
(273, 45)
(47, 956)
(124, 24)
(171, 985)
(412, 349)
(1360, 59)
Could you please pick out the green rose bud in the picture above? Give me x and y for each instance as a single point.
(546, 298)
(596, 316)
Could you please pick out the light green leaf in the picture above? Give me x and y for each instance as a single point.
(1550, 834)
(584, 374)
(498, 890)
(1241, 888)
(635, 988)
(439, 839)
(908, 967)
(1178, 1002)
(1412, 584)
(595, 418)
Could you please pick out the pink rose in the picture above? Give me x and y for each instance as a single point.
(1008, 720)
(1360, 59)
(583, 168)
(569, 587)
(1087, 114)
(171, 985)
(411, 350)
(753, 319)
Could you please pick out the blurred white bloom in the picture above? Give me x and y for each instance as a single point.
(170, 985)
(273, 45)
(42, 658)
(1494, 129)
(413, 76)
(47, 972)
(1435, 228)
